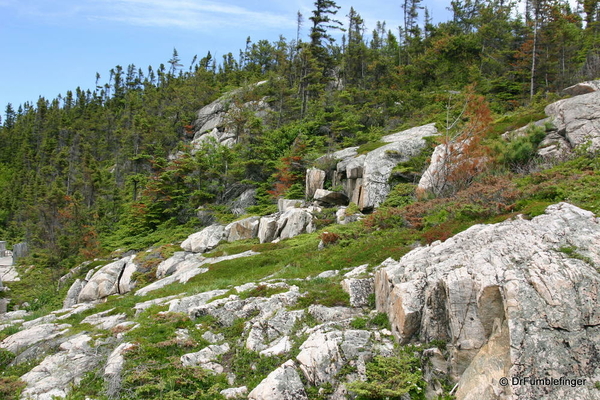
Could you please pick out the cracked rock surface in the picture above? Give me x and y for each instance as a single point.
(534, 277)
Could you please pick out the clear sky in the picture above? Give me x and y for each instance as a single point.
(49, 47)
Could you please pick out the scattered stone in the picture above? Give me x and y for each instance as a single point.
(113, 368)
(331, 314)
(282, 384)
(213, 338)
(234, 393)
(184, 304)
(266, 333)
(329, 274)
(323, 354)
(104, 321)
(204, 356)
(139, 307)
(189, 270)
(281, 346)
(55, 375)
(357, 271)
(360, 290)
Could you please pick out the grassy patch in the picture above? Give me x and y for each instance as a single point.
(322, 291)
(367, 147)
(250, 367)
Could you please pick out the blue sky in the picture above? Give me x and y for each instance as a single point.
(49, 47)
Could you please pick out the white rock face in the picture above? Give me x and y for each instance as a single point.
(323, 354)
(21, 340)
(282, 384)
(462, 291)
(267, 333)
(293, 222)
(359, 290)
(103, 320)
(204, 356)
(214, 121)
(184, 274)
(583, 88)
(365, 177)
(246, 228)
(578, 118)
(114, 367)
(57, 372)
(104, 282)
(184, 304)
(205, 240)
(267, 230)
(315, 178)
(235, 393)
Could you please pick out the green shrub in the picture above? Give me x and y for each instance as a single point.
(11, 387)
(521, 150)
(6, 358)
(401, 195)
(392, 377)
(381, 320)
(358, 323)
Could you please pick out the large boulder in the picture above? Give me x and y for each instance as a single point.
(525, 293)
(246, 228)
(205, 240)
(295, 221)
(73, 293)
(365, 177)
(578, 119)
(583, 88)
(104, 282)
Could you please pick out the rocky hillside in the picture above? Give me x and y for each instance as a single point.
(319, 300)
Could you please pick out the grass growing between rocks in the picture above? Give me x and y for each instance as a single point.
(153, 369)
(392, 377)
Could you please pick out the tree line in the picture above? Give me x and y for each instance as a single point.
(95, 164)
